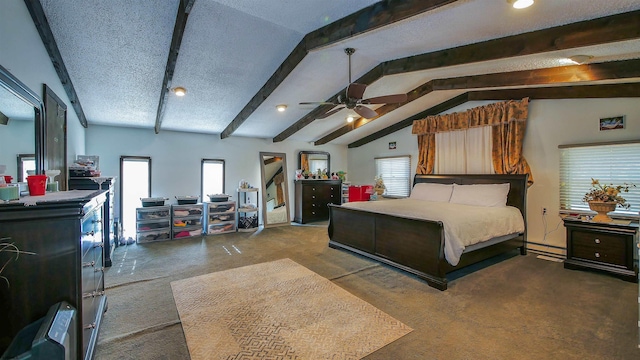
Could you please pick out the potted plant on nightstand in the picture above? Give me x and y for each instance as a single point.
(605, 198)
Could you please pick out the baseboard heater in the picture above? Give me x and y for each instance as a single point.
(52, 337)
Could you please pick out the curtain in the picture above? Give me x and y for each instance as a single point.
(508, 123)
(304, 162)
(464, 151)
(278, 180)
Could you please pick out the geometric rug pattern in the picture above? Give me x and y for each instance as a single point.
(278, 310)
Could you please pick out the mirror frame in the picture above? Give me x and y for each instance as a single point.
(315, 152)
(21, 91)
(264, 188)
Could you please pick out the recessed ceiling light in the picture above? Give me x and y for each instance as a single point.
(349, 118)
(281, 107)
(179, 91)
(520, 4)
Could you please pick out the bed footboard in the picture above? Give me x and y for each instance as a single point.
(415, 246)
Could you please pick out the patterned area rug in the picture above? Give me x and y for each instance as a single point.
(278, 310)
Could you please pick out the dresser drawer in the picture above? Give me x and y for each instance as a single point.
(602, 247)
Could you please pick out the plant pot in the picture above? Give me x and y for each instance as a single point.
(602, 208)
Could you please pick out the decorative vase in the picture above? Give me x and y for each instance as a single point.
(602, 208)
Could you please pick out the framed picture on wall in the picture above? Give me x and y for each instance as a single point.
(612, 123)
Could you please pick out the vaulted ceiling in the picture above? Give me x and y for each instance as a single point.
(238, 59)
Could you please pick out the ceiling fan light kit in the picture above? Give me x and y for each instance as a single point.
(352, 98)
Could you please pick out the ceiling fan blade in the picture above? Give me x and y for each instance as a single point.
(387, 99)
(365, 112)
(355, 90)
(329, 113)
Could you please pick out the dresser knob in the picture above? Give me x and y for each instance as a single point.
(597, 241)
(313, 196)
(313, 212)
(597, 255)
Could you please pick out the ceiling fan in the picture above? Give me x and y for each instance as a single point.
(352, 98)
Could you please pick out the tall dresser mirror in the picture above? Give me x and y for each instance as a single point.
(275, 193)
(21, 122)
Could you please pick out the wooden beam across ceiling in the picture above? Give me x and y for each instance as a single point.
(42, 24)
(380, 14)
(603, 30)
(184, 8)
(623, 69)
(538, 93)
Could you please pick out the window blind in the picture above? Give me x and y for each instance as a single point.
(396, 174)
(615, 164)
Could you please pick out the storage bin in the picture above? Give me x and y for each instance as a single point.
(152, 213)
(360, 192)
(152, 225)
(157, 235)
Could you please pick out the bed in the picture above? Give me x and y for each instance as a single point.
(418, 245)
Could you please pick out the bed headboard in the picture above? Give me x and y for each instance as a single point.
(517, 190)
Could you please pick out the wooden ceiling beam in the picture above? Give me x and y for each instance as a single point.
(178, 32)
(42, 24)
(370, 18)
(563, 74)
(538, 93)
(604, 30)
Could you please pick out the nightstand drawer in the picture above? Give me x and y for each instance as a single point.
(602, 247)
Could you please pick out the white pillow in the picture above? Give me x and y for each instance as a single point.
(431, 192)
(480, 194)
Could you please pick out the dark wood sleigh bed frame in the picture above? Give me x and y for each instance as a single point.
(417, 246)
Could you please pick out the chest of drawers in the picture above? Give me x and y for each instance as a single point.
(604, 247)
(312, 198)
(67, 241)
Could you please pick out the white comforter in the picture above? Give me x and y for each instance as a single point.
(464, 225)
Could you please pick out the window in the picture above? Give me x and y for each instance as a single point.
(135, 175)
(212, 177)
(25, 162)
(614, 163)
(396, 174)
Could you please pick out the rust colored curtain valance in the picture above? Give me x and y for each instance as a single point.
(488, 115)
(508, 121)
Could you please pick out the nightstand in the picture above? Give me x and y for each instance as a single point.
(607, 247)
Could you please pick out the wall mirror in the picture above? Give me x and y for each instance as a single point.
(55, 129)
(21, 123)
(311, 161)
(275, 193)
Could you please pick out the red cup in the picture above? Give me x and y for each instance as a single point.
(8, 179)
(37, 184)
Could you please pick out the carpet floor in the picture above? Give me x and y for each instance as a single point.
(519, 308)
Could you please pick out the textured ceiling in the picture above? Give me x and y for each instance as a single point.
(116, 54)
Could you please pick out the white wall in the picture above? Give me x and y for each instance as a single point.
(175, 157)
(23, 55)
(551, 123)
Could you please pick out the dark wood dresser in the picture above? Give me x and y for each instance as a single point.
(68, 265)
(607, 247)
(102, 183)
(313, 198)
